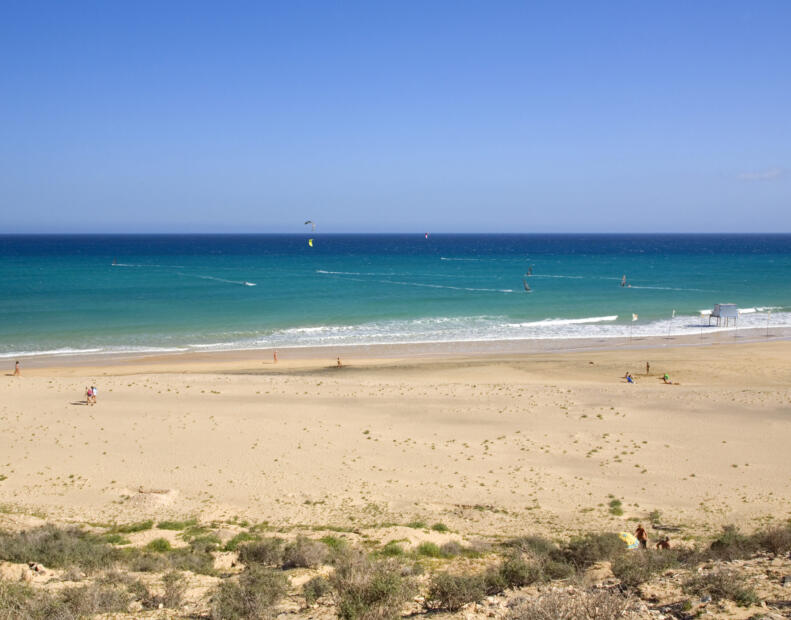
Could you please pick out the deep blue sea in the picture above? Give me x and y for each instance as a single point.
(114, 293)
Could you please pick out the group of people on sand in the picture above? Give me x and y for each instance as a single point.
(665, 378)
(90, 395)
(642, 537)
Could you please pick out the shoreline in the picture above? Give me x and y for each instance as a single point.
(302, 356)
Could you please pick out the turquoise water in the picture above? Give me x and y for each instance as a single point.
(63, 294)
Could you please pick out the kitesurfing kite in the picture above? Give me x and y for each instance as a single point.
(312, 225)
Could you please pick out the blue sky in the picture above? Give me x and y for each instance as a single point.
(395, 116)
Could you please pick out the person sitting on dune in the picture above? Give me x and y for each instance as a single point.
(629, 378)
(667, 380)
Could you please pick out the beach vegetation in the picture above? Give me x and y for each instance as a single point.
(304, 553)
(722, 584)
(314, 589)
(616, 507)
(440, 527)
(417, 525)
(176, 525)
(429, 549)
(131, 528)
(241, 537)
(253, 596)
(363, 589)
(449, 592)
(267, 552)
(591, 605)
(159, 545)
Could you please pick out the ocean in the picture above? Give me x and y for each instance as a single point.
(96, 294)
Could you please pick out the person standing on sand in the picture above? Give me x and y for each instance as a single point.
(88, 395)
(274, 356)
(339, 362)
(93, 393)
(647, 368)
(641, 536)
(16, 369)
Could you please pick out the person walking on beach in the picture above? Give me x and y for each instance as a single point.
(647, 368)
(93, 393)
(16, 369)
(274, 356)
(88, 395)
(641, 536)
(339, 362)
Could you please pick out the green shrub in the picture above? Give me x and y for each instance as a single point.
(241, 537)
(616, 507)
(159, 545)
(587, 550)
(115, 539)
(517, 573)
(253, 597)
(304, 553)
(268, 552)
(205, 544)
(417, 525)
(451, 592)
(314, 589)
(176, 525)
(391, 549)
(131, 528)
(439, 527)
(429, 549)
(58, 548)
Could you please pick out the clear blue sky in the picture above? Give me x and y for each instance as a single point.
(395, 116)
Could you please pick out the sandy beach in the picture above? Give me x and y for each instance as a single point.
(489, 444)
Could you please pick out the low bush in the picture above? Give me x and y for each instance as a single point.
(159, 545)
(722, 584)
(731, 544)
(131, 528)
(451, 592)
(252, 597)
(58, 548)
(776, 540)
(585, 551)
(591, 605)
(304, 553)
(392, 549)
(439, 527)
(174, 585)
(516, 572)
(451, 549)
(366, 590)
(241, 537)
(267, 551)
(429, 549)
(93, 599)
(639, 566)
(176, 525)
(314, 589)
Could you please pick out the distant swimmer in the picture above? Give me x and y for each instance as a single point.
(623, 280)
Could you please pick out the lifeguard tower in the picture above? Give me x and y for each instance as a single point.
(726, 312)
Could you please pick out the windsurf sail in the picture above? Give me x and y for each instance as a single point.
(527, 286)
(310, 242)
